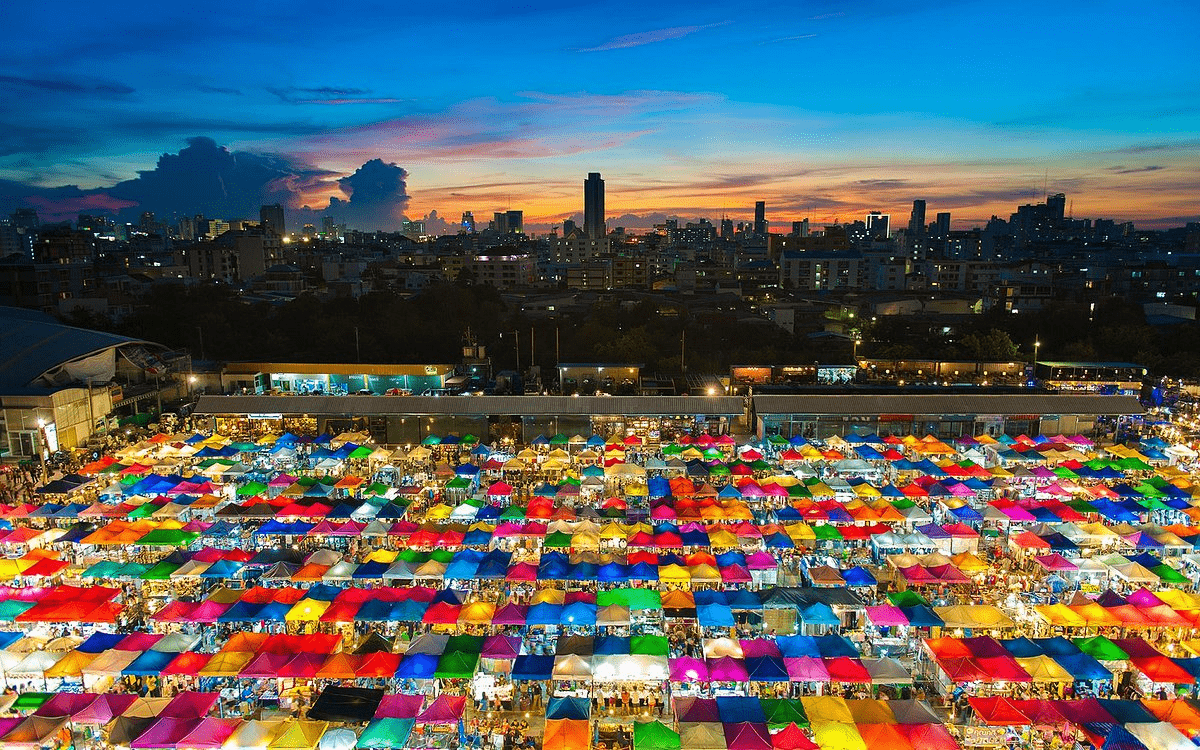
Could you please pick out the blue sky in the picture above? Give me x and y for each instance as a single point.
(823, 109)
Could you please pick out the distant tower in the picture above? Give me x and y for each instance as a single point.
(515, 222)
(727, 229)
(593, 206)
(916, 220)
(760, 217)
(468, 222)
(1057, 204)
(878, 225)
(568, 227)
(272, 219)
(942, 225)
(800, 228)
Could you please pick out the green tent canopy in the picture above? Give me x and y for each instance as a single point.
(649, 645)
(781, 712)
(169, 538)
(1100, 648)
(432, 440)
(557, 539)
(457, 665)
(252, 488)
(654, 735)
(907, 598)
(633, 598)
(160, 572)
(13, 607)
(1168, 574)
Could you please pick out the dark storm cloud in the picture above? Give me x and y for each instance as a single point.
(206, 178)
(377, 196)
(64, 86)
(19, 138)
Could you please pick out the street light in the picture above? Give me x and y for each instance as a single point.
(1036, 344)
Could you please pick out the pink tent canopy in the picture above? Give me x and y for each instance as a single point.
(398, 706)
(886, 615)
(727, 669)
(166, 732)
(760, 647)
(805, 669)
(1055, 561)
(104, 708)
(190, 705)
(510, 614)
(688, 669)
(445, 709)
(210, 733)
(745, 735)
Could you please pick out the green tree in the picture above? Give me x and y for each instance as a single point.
(992, 346)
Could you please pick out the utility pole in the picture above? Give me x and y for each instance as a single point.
(200, 334)
(357, 348)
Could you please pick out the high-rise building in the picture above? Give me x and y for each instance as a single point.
(569, 227)
(468, 222)
(1057, 205)
(941, 227)
(760, 217)
(727, 229)
(272, 219)
(515, 221)
(916, 220)
(593, 206)
(878, 225)
(800, 228)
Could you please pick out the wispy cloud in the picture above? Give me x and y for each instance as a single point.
(651, 37)
(795, 38)
(329, 95)
(1135, 170)
(65, 86)
(219, 90)
(825, 16)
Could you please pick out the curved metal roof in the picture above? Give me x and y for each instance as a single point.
(33, 343)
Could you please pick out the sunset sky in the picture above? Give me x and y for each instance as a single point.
(822, 109)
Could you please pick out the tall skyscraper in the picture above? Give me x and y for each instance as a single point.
(593, 206)
(760, 217)
(878, 225)
(800, 228)
(916, 220)
(1057, 206)
(942, 225)
(272, 219)
(468, 222)
(515, 221)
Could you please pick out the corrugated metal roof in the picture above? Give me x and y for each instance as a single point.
(947, 403)
(470, 405)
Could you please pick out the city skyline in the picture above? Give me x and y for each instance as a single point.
(827, 113)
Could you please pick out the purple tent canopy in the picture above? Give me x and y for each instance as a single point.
(166, 732)
(66, 704)
(501, 647)
(510, 614)
(104, 708)
(727, 669)
(688, 709)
